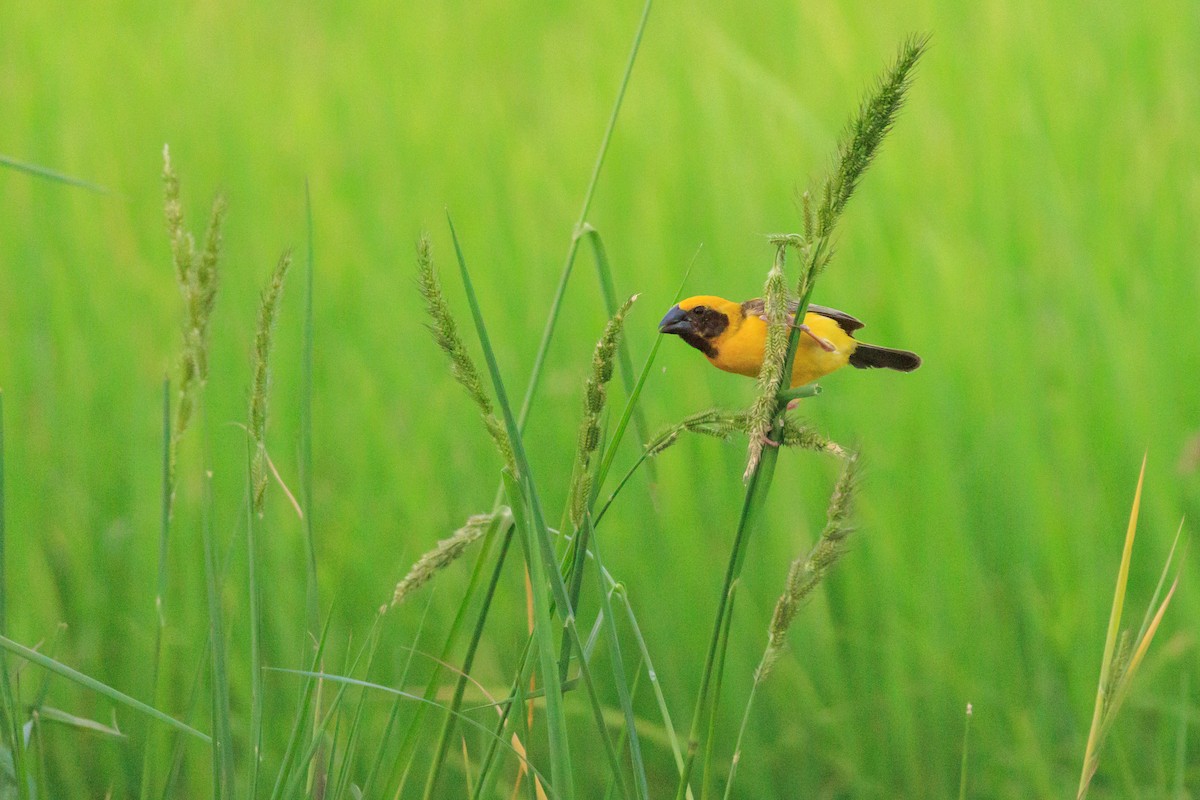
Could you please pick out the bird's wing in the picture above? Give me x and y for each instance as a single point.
(849, 324)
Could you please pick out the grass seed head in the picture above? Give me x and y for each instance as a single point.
(445, 553)
(595, 396)
(807, 571)
(445, 333)
(770, 377)
(268, 312)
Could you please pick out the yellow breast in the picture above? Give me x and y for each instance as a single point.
(740, 349)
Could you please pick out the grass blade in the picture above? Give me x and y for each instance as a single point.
(560, 751)
(463, 718)
(631, 402)
(545, 559)
(499, 521)
(253, 523)
(8, 703)
(150, 753)
(49, 174)
(51, 714)
(63, 671)
(312, 595)
(624, 360)
(962, 775)
(1091, 755)
(222, 739)
(539, 359)
(287, 765)
(624, 697)
(756, 490)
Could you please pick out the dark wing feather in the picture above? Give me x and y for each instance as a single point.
(849, 324)
(846, 322)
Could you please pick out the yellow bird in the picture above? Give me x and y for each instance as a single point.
(733, 335)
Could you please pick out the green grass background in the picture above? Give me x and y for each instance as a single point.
(1030, 229)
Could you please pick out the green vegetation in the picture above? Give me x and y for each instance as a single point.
(1029, 230)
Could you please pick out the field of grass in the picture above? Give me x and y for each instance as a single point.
(1029, 228)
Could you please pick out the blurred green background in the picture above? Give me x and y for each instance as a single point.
(1030, 229)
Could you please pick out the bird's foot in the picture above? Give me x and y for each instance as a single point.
(767, 440)
(821, 341)
(793, 404)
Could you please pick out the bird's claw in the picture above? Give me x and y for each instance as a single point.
(767, 440)
(821, 341)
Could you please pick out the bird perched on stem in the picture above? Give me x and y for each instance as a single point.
(733, 335)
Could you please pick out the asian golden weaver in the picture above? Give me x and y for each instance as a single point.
(733, 336)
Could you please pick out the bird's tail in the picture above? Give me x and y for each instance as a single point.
(870, 356)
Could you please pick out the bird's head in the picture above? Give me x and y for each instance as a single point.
(701, 321)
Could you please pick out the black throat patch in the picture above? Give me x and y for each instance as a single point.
(700, 343)
(708, 324)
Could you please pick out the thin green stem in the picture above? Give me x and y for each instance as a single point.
(962, 775)
(737, 745)
(8, 703)
(443, 745)
(710, 738)
(756, 492)
(539, 359)
(312, 596)
(253, 521)
(610, 452)
(149, 751)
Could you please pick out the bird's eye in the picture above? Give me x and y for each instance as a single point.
(699, 309)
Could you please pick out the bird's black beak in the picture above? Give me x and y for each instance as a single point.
(676, 321)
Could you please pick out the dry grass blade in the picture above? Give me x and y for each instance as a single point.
(1123, 652)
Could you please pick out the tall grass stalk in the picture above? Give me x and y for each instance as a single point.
(151, 752)
(312, 596)
(624, 360)
(577, 232)
(804, 576)
(858, 147)
(501, 525)
(542, 563)
(631, 402)
(198, 278)
(291, 764)
(391, 690)
(451, 639)
(257, 479)
(580, 495)
(9, 706)
(445, 331)
(223, 768)
(962, 773)
(1123, 652)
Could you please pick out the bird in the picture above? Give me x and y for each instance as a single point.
(733, 335)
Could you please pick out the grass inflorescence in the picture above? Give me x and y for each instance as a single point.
(268, 311)
(198, 276)
(446, 553)
(445, 332)
(593, 406)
